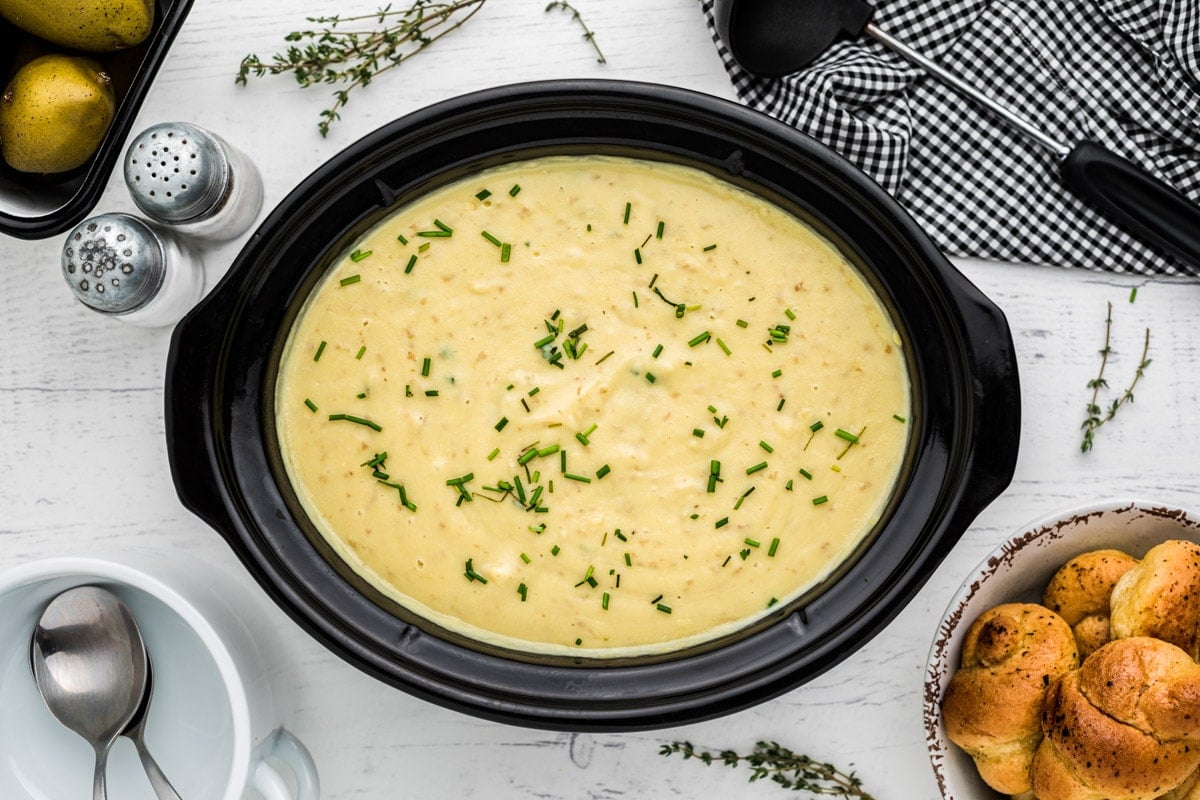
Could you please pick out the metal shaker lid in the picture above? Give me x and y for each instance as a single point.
(176, 172)
(114, 263)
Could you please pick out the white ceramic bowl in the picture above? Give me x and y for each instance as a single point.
(212, 724)
(1018, 571)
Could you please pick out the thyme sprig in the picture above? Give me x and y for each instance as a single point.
(353, 58)
(790, 770)
(1097, 417)
(588, 33)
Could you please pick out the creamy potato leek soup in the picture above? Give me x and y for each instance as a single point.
(593, 405)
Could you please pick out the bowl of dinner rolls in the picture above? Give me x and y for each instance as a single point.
(1065, 668)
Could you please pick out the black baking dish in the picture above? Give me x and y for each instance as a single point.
(39, 206)
(224, 355)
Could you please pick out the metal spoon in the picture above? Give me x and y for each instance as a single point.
(778, 37)
(89, 663)
(136, 731)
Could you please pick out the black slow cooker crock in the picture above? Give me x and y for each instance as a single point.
(224, 357)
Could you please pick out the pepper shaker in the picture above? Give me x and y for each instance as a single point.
(181, 175)
(120, 266)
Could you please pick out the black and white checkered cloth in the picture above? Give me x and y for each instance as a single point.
(1122, 73)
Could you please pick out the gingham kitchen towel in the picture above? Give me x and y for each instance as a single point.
(1123, 73)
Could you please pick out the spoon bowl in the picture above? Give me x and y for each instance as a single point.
(89, 663)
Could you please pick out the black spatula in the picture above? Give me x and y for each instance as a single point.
(778, 37)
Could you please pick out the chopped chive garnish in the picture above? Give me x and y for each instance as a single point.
(483, 195)
(401, 238)
(744, 553)
(1133, 294)
(505, 252)
(806, 474)
(443, 226)
(523, 590)
(500, 425)
(628, 208)
(653, 280)
(461, 479)
(421, 248)
(617, 533)
(311, 405)
(628, 560)
(772, 601)
(491, 238)
(779, 407)
(412, 262)
(431, 392)
(320, 349)
(637, 254)
(635, 300)
(658, 234)
(539, 528)
(698, 433)
(835, 468)
(759, 467)
(545, 340)
(527, 456)
(791, 315)
(788, 485)
(741, 323)
(438, 234)
(375, 426)
(525, 558)
(650, 377)
(657, 352)
(533, 391)
(766, 447)
(656, 599)
(493, 454)
(351, 279)
(710, 248)
(776, 373)
(742, 499)
(847, 435)
(361, 351)
(726, 561)
(699, 338)
(555, 550)
(548, 450)
(359, 255)
(820, 500)
(471, 574)
(515, 190)
(663, 608)
(721, 344)
(899, 418)
(712, 409)
(562, 461)
(425, 367)
(722, 522)
(752, 542)
(602, 472)
(574, 477)
(604, 601)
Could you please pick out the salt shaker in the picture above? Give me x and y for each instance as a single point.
(184, 176)
(119, 265)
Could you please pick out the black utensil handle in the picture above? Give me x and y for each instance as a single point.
(191, 366)
(1134, 199)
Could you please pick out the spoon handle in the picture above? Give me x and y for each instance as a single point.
(99, 782)
(162, 787)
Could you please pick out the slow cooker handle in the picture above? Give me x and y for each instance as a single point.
(190, 425)
(996, 416)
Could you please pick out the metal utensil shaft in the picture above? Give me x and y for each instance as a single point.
(1004, 112)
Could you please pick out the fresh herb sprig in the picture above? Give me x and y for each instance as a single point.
(1097, 417)
(770, 760)
(352, 58)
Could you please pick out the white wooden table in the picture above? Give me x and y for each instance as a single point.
(83, 465)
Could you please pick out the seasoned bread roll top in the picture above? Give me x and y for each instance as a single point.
(1079, 592)
(992, 708)
(1160, 597)
(1124, 726)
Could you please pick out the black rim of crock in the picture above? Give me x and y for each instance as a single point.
(220, 371)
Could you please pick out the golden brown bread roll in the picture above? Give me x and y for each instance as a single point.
(1124, 726)
(993, 703)
(1160, 597)
(1079, 593)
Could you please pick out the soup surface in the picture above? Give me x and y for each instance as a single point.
(593, 406)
